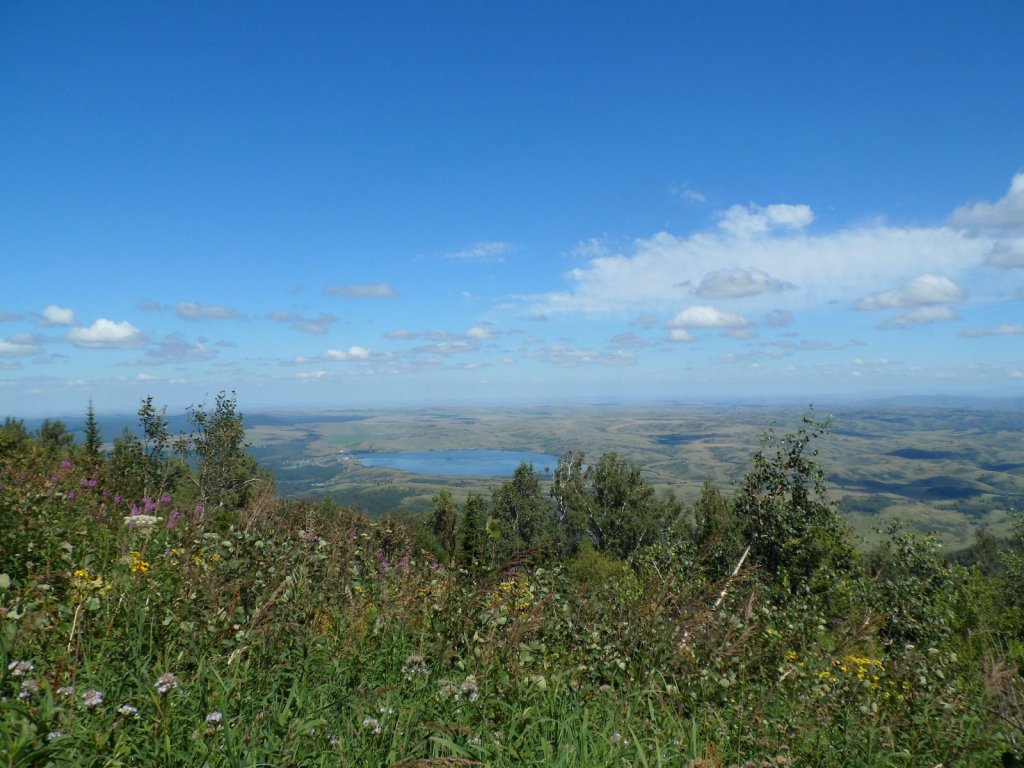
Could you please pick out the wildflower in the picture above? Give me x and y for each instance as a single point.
(165, 499)
(372, 723)
(140, 521)
(66, 690)
(29, 687)
(137, 563)
(197, 513)
(414, 665)
(54, 735)
(615, 738)
(66, 464)
(166, 682)
(173, 519)
(128, 710)
(19, 668)
(117, 498)
(92, 698)
(214, 717)
(71, 496)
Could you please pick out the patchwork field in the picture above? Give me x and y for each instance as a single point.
(946, 469)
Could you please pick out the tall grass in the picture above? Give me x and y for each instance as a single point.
(287, 634)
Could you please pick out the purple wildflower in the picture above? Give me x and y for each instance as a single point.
(66, 464)
(135, 511)
(173, 519)
(149, 504)
(71, 496)
(117, 498)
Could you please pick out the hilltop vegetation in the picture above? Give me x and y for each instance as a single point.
(161, 605)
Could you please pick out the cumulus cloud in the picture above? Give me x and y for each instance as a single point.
(314, 325)
(401, 334)
(777, 318)
(681, 335)
(362, 291)
(925, 290)
(106, 334)
(193, 310)
(1003, 216)
(174, 348)
(737, 283)
(1002, 330)
(744, 221)
(628, 340)
(485, 251)
(842, 266)
(352, 353)
(921, 315)
(55, 316)
(481, 333)
(706, 317)
(19, 345)
(1007, 254)
(562, 356)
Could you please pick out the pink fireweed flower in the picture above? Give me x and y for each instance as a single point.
(165, 499)
(66, 464)
(173, 519)
(149, 504)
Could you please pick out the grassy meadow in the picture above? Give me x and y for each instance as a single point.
(164, 608)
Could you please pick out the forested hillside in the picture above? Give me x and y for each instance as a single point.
(161, 605)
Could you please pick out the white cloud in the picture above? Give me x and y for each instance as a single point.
(314, 325)
(106, 334)
(54, 315)
(310, 375)
(17, 347)
(562, 356)
(842, 266)
(680, 334)
(145, 377)
(481, 333)
(1007, 254)
(737, 283)
(706, 317)
(401, 335)
(925, 290)
(352, 353)
(1004, 215)
(363, 291)
(1002, 330)
(173, 348)
(921, 315)
(192, 310)
(777, 318)
(744, 221)
(485, 251)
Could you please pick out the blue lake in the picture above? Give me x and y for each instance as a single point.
(462, 463)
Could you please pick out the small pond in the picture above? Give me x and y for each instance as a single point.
(459, 463)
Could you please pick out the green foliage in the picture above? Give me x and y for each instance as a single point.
(521, 509)
(788, 521)
(609, 504)
(718, 532)
(92, 445)
(299, 633)
(473, 550)
(225, 476)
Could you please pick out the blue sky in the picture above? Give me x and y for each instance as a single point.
(397, 203)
